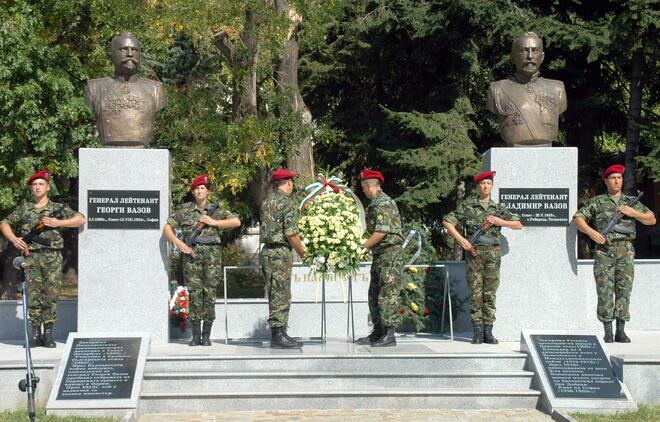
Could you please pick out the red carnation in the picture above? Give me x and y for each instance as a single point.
(183, 325)
(403, 311)
(426, 311)
(427, 269)
(172, 314)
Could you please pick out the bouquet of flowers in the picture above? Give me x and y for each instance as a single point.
(330, 227)
(179, 311)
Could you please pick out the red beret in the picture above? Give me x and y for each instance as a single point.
(282, 174)
(200, 180)
(42, 174)
(367, 174)
(484, 175)
(617, 168)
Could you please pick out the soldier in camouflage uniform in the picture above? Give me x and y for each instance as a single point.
(483, 261)
(279, 233)
(44, 252)
(385, 240)
(202, 262)
(614, 256)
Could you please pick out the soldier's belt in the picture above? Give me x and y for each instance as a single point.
(624, 229)
(206, 240)
(277, 245)
(487, 240)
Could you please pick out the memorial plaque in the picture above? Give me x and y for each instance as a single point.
(100, 369)
(576, 366)
(123, 209)
(537, 207)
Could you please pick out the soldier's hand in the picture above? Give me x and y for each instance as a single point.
(597, 237)
(186, 249)
(628, 211)
(495, 220)
(206, 219)
(51, 222)
(465, 244)
(20, 244)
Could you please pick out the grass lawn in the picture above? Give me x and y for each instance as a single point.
(22, 416)
(645, 414)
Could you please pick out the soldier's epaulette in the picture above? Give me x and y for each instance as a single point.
(97, 80)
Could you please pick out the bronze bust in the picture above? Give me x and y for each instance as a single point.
(528, 105)
(125, 106)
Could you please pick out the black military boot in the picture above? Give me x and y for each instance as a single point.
(388, 339)
(291, 339)
(608, 337)
(478, 336)
(48, 336)
(36, 340)
(620, 336)
(488, 334)
(279, 341)
(196, 333)
(206, 332)
(375, 335)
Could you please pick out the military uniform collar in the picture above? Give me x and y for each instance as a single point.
(45, 207)
(522, 79)
(477, 201)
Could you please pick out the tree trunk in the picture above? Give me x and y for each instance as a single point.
(634, 114)
(286, 73)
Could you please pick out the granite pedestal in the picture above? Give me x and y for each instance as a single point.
(123, 277)
(539, 286)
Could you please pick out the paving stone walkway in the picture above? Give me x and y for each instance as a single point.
(346, 415)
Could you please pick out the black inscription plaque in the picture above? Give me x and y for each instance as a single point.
(537, 207)
(100, 368)
(123, 209)
(577, 366)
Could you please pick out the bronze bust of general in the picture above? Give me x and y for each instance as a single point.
(125, 105)
(528, 105)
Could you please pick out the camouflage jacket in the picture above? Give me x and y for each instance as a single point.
(279, 218)
(383, 216)
(600, 210)
(187, 215)
(471, 214)
(26, 216)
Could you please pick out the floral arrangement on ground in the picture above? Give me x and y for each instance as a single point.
(179, 307)
(413, 298)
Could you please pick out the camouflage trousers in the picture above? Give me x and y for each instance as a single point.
(276, 266)
(614, 269)
(202, 275)
(45, 275)
(385, 287)
(483, 279)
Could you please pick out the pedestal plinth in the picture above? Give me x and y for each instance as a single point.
(123, 260)
(539, 287)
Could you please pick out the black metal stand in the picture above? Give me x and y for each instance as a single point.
(350, 317)
(29, 383)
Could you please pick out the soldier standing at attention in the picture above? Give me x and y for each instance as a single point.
(279, 233)
(202, 262)
(43, 252)
(483, 261)
(385, 240)
(614, 256)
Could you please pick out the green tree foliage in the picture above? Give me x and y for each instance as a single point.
(44, 119)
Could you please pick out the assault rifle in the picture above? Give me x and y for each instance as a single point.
(33, 235)
(476, 235)
(199, 227)
(618, 216)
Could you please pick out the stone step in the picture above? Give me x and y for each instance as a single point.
(474, 362)
(330, 381)
(211, 401)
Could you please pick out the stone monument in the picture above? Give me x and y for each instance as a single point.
(528, 105)
(125, 192)
(125, 105)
